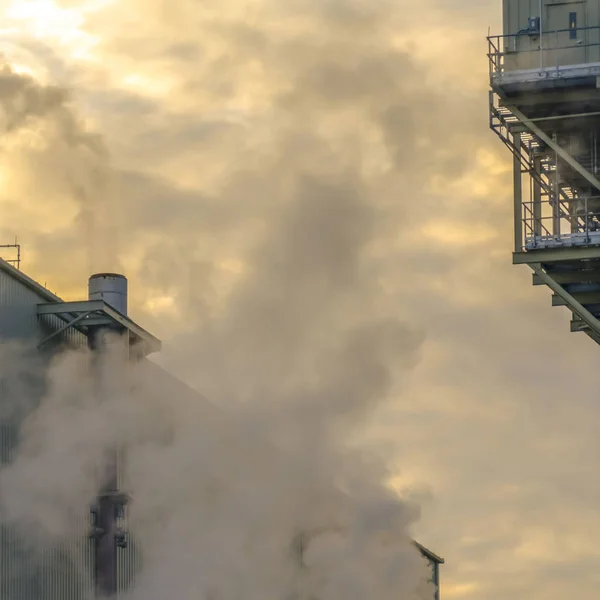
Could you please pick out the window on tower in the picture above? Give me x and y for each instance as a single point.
(573, 25)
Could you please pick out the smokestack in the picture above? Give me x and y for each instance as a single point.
(107, 535)
(110, 287)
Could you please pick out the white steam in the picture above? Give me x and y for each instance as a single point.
(221, 497)
(296, 353)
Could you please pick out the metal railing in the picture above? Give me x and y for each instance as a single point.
(546, 49)
(543, 230)
(16, 261)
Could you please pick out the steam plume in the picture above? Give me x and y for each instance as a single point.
(221, 495)
(296, 350)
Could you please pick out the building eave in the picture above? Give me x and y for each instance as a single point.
(429, 554)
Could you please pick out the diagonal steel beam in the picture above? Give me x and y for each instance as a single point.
(576, 307)
(64, 328)
(552, 144)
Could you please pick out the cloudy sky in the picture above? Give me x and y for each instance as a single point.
(273, 175)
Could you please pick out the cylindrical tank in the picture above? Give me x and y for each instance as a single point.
(110, 287)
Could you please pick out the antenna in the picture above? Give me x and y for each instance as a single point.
(17, 247)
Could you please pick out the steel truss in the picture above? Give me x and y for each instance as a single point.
(89, 314)
(557, 219)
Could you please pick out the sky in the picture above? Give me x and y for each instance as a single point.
(278, 179)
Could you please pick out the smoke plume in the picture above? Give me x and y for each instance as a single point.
(263, 206)
(222, 496)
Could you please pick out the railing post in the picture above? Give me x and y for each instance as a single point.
(537, 198)
(573, 216)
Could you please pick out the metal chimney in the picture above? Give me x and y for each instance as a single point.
(107, 535)
(110, 287)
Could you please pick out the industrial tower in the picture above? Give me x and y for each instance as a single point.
(545, 107)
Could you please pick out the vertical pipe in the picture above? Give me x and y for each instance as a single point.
(537, 199)
(541, 35)
(518, 193)
(105, 555)
(112, 356)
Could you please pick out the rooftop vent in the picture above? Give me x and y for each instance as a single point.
(110, 287)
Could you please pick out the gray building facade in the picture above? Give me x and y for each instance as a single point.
(550, 33)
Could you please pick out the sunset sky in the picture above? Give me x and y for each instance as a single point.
(287, 169)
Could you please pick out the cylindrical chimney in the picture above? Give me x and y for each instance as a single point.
(110, 287)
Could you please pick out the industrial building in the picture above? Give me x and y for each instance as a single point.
(105, 561)
(545, 106)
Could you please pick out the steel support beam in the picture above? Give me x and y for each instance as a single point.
(578, 276)
(104, 314)
(109, 499)
(550, 255)
(96, 320)
(556, 196)
(553, 97)
(552, 144)
(578, 326)
(55, 308)
(132, 327)
(68, 325)
(586, 298)
(576, 307)
(517, 194)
